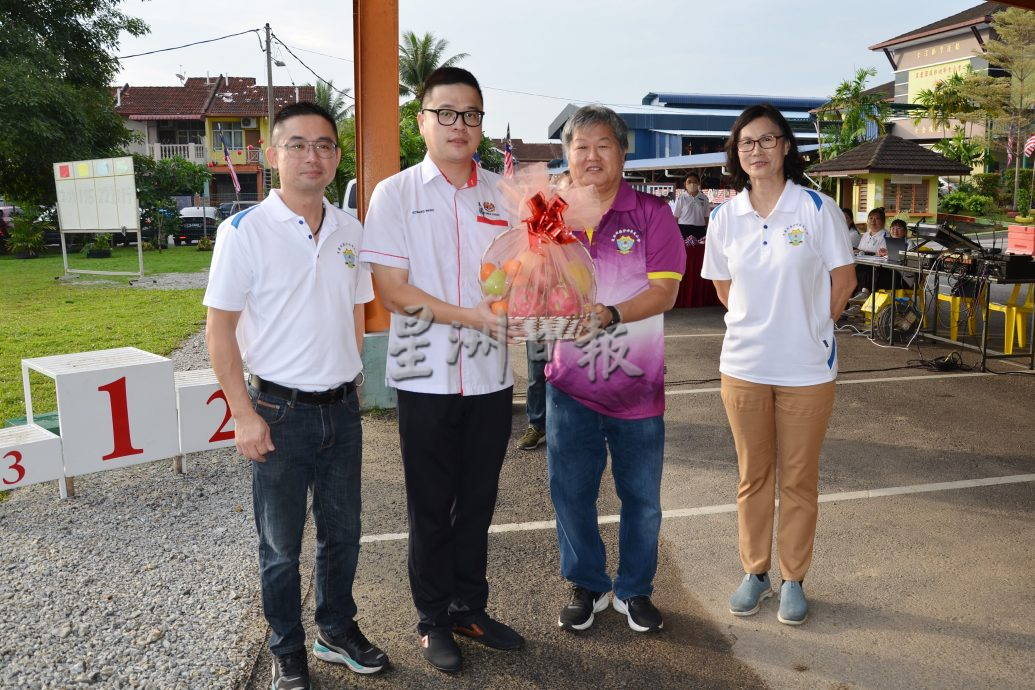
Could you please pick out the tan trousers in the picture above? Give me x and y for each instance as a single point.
(777, 426)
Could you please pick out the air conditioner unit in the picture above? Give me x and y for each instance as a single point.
(248, 123)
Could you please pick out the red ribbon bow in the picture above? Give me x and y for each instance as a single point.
(547, 220)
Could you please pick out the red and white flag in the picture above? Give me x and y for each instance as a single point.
(1029, 146)
(1009, 146)
(508, 156)
(229, 163)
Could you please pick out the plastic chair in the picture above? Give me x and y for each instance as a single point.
(973, 307)
(1014, 312)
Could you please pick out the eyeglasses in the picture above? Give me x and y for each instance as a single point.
(446, 117)
(300, 149)
(767, 141)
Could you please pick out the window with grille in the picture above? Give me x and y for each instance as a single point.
(232, 133)
(908, 198)
(862, 187)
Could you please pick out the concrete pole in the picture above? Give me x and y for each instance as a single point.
(269, 99)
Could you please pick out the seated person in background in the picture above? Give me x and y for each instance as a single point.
(899, 231)
(853, 232)
(871, 243)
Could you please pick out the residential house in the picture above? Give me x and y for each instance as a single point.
(194, 119)
(526, 152)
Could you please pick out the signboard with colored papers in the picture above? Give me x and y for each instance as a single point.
(97, 195)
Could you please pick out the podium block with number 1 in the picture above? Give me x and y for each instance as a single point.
(115, 407)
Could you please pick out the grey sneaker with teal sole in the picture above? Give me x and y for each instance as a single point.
(747, 599)
(351, 649)
(794, 609)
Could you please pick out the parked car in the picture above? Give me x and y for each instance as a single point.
(197, 222)
(229, 208)
(351, 206)
(7, 213)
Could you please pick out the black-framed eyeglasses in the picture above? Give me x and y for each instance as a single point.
(447, 116)
(767, 141)
(300, 148)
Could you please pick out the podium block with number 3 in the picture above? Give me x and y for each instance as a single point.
(28, 454)
(115, 407)
(205, 421)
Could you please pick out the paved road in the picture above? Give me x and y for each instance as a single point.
(919, 578)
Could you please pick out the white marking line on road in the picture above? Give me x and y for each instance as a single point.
(695, 335)
(541, 525)
(845, 382)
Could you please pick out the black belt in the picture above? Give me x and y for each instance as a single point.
(293, 395)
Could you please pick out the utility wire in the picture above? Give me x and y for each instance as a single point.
(291, 52)
(188, 45)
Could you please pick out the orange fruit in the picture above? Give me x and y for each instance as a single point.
(499, 307)
(511, 267)
(487, 270)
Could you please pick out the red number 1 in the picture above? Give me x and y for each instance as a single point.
(222, 433)
(116, 391)
(16, 466)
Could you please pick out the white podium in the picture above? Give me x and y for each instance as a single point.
(205, 420)
(29, 454)
(116, 407)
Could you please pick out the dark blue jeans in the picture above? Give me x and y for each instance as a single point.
(317, 447)
(535, 399)
(577, 442)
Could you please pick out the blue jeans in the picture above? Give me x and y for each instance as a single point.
(318, 447)
(577, 442)
(535, 399)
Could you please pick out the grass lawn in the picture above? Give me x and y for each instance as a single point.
(43, 316)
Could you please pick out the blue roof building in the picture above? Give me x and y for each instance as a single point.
(678, 124)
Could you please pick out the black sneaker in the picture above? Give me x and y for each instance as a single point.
(352, 649)
(491, 633)
(439, 648)
(642, 614)
(291, 672)
(578, 614)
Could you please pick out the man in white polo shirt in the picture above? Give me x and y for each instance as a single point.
(286, 293)
(426, 230)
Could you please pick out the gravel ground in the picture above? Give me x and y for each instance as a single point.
(146, 579)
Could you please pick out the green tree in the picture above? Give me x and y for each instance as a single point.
(945, 101)
(158, 181)
(419, 56)
(852, 110)
(1007, 101)
(334, 101)
(57, 65)
(961, 148)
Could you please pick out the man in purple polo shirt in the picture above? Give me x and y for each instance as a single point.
(606, 393)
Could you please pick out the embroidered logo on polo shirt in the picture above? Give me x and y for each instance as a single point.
(626, 240)
(487, 208)
(487, 213)
(348, 253)
(795, 234)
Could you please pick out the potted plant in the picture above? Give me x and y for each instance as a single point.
(100, 248)
(205, 244)
(26, 239)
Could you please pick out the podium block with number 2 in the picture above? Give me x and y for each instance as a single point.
(205, 420)
(115, 407)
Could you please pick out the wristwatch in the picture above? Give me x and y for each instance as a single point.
(616, 316)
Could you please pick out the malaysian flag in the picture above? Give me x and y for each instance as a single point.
(229, 163)
(508, 156)
(1009, 146)
(1029, 146)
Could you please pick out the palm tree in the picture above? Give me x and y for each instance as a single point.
(419, 56)
(944, 102)
(333, 100)
(856, 110)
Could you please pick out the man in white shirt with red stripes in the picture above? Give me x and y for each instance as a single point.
(426, 231)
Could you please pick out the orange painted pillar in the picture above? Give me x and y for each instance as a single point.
(375, 26)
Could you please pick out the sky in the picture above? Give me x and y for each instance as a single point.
(533, 57)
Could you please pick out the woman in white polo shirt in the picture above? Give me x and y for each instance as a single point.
(782, 264)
